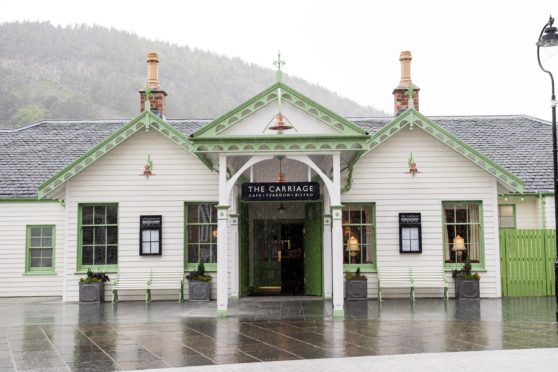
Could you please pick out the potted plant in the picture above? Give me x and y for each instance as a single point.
(466, 282)
(92, 287)
(356, 286)
(199, 284)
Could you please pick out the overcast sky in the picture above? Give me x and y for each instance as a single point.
(469, 57)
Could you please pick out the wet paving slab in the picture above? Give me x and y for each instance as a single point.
(48, 335)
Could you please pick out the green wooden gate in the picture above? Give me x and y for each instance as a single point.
(527, 262)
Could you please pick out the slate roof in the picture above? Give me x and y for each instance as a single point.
(32, 154)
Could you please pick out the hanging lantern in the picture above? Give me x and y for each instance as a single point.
(280, 123)
(280, 175)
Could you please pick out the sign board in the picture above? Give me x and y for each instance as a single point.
(151, 228)
(280, 191)
(410, 233)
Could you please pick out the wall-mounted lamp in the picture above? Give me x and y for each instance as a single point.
(412, 165)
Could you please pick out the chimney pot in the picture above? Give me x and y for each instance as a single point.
(400, 94)
(157, 95)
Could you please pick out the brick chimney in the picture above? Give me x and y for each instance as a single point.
(157, 95)
(400, 93)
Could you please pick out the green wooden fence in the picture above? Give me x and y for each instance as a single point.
(527, 262)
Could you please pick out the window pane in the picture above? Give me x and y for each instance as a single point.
(100, 235)
(35, 242)
(87, 235)
(354, 217)
(154, 236)
(112, 255)
(112, 235)
(193, 213)
(204, 232)
(99, 252)
(461, 215)
(35, 253)
(47, 262)
(87, 255)
(204, 212)
(112, 214)
(47, 232)
(155, 247)
(193, 253)
(36, 262)
(205, 253)
(507, 222)
(506, 210)
(193, 234)
(35, 232)
(87, 215)
(213, 213)
(146, 247)
(46, 242)
(100, 215)
(146, 235)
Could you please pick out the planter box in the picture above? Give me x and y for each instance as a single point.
(199, 291)
(91, 292)
(467, 288)
(356, 290)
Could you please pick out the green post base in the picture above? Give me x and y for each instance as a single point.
(338, 313)
(222, 313)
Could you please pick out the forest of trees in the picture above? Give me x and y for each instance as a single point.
(91, 72)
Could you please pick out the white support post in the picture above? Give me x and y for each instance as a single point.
(337, 238)
(66, 242)
(233, 223)
(222, 259)
(328, 290)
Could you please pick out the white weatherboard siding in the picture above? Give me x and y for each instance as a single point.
(115, 178)
(549, 211)
(381, 177)
(15, 217)
(527, 211)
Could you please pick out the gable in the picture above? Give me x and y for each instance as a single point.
(301, 111)
(412, 119)
(146, 120)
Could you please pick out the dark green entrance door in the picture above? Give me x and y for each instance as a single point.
(267, 257)
(279, 257)
(313, 268)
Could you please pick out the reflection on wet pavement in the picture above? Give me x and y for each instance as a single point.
(47, 335)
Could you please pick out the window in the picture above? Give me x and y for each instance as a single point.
(151, 228)
(506, 216)
(358, 234)
(462, 231)
(40, 249)
(201, 233)
(98, 235)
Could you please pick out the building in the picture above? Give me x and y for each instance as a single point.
(279, 196)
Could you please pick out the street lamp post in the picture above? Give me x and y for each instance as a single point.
(548, 39)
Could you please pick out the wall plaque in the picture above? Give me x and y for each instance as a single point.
(410, 234)
(270, 191)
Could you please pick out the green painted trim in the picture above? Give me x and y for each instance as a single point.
(102, 268)
(364, 267)
(192, 266)
(413, 118)
(480, 266)
(222, 313)
(514, 216)
(28, 201)
(338, 313)
(145, 120)
(39, 270)
(270, 95)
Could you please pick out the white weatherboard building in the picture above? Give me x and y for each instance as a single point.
(279, 196)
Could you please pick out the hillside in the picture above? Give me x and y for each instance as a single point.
(90, 72)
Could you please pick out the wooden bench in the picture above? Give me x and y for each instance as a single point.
(412, 279)
(147, 281)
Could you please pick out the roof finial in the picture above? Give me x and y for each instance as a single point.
(279, 63)
(410, 91)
